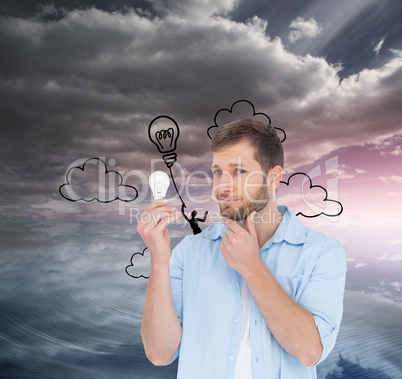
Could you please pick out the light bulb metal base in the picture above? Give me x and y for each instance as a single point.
(169, 159)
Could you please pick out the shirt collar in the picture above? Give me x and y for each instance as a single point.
(290, 229)
(214, 231)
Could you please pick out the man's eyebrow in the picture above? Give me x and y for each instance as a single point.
(230, 165)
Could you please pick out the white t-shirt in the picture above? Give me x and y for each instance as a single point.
(243, 362)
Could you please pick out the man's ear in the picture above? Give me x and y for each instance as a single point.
(275, 175)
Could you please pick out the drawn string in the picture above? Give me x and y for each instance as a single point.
(174, 183)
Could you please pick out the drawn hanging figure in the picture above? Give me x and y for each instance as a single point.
(193, 221)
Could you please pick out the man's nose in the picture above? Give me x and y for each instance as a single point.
(226, 182)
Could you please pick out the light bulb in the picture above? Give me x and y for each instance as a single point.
(163, 131)
(159, 182)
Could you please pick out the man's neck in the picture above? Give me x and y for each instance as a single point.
(266, 222)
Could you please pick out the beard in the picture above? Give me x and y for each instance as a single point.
(240, 213)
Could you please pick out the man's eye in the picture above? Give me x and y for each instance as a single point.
(217, 172)
(240, 171)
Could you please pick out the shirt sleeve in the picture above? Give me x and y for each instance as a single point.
(176, 278)
(323, 295)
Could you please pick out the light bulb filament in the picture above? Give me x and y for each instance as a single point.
(163, 135)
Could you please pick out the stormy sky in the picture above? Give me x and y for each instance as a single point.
(83, 79)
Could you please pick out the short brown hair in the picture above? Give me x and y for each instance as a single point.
(263, 137)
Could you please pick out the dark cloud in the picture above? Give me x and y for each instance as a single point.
(88, 84)
(92, 81)
(349, 33)
(55, 9)
(195, 8)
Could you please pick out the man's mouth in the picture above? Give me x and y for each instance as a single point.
(227, 200)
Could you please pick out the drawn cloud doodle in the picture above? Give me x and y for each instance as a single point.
(141, 266)
(318, 196)
(241, 109)
(94, 182)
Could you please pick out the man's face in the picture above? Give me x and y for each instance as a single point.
(239, 184)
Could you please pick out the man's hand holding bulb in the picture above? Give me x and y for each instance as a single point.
(154, 221)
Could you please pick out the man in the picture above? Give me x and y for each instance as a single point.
(257, 295)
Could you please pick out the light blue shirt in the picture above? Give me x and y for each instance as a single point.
(308, 265)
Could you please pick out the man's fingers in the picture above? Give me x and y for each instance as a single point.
(226, 241)
(155, 218)
(229, 233)
(156, 204)
(223, 247)
(160, 208)
(166, 220)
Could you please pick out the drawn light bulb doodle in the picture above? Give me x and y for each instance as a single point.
(159, 183)
(163, 131)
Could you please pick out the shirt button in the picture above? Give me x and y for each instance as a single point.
(236, 321)
(231, 358)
